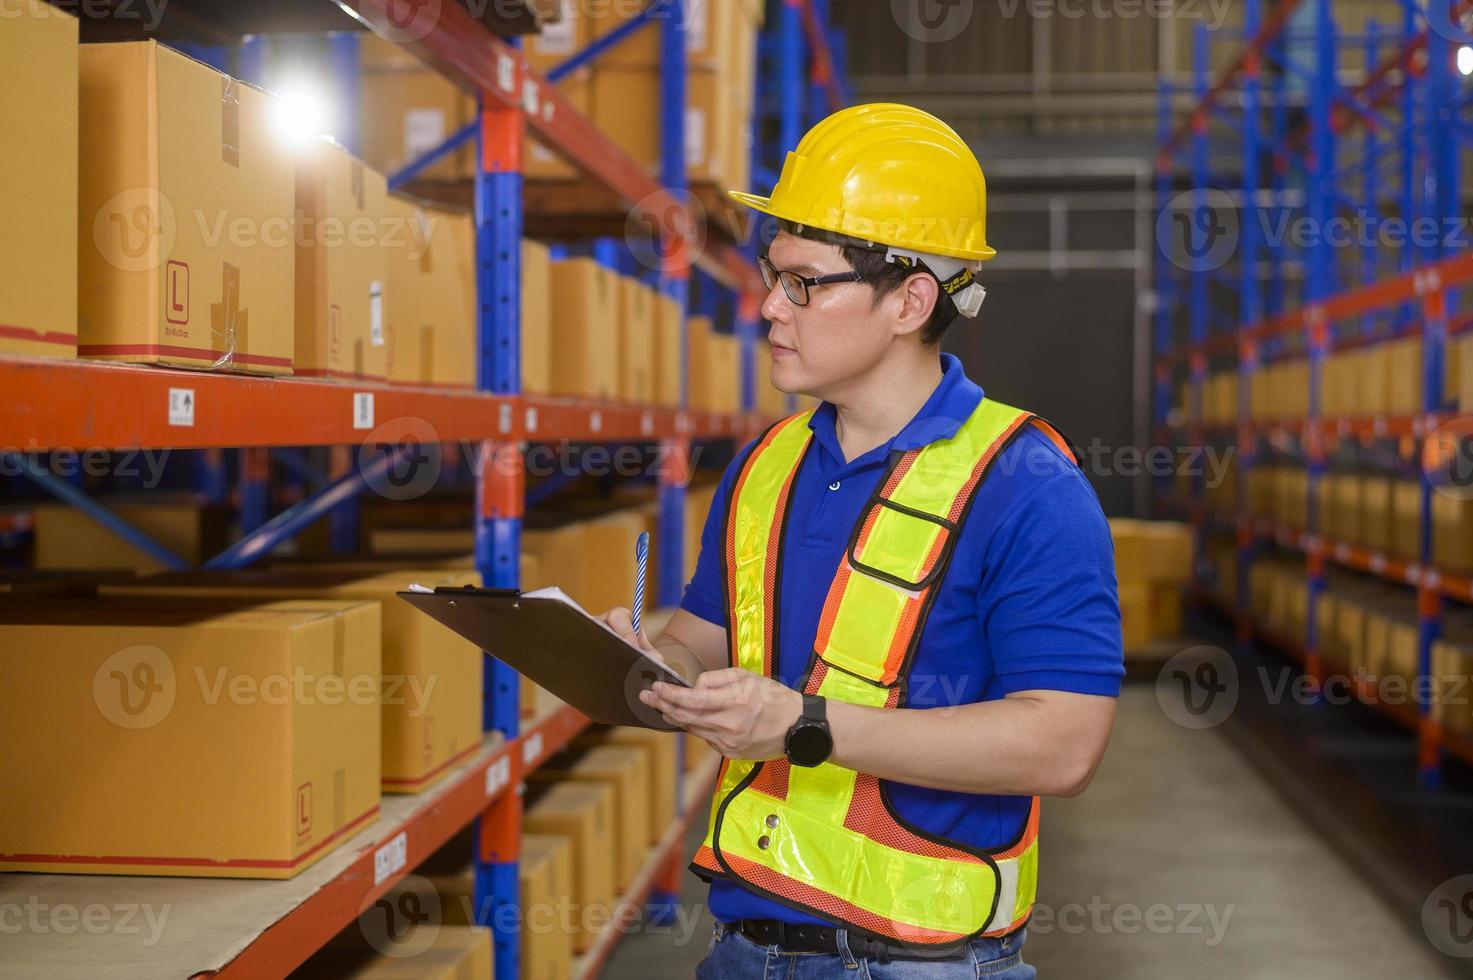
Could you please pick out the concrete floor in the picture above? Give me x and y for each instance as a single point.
(1180, 861)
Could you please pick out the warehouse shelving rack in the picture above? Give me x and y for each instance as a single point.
(1310, 149)
(50, 405)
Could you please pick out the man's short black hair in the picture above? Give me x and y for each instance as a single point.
(885, 277)
(881, 274)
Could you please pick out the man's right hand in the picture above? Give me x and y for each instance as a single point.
(621, 621)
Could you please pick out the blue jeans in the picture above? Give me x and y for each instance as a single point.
(733, 956)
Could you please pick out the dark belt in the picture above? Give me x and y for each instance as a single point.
(824, 939)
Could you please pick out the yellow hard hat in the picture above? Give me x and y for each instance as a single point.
(888, 174)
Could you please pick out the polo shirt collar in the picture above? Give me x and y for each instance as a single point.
(952, 402)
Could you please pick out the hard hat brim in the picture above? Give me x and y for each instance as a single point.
(758, 202)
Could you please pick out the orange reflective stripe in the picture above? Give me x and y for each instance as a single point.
(1029, 835)
(1056, 437)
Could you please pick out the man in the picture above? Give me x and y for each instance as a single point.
(927, 634)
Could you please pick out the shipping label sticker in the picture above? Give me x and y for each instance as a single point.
(181, 406)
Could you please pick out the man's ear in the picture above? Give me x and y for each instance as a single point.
(917, 296)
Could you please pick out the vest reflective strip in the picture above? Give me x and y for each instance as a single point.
(758, 501)
(823, 839)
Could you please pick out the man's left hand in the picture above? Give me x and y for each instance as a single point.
(742, 714)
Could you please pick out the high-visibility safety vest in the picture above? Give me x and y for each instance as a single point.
(826, 840)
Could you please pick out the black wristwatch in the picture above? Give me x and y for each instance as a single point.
(809, 741)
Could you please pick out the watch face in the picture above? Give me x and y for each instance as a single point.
(808, 745)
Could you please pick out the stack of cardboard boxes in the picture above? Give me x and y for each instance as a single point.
(191, 748)
(620, 91)
(208, 241)
(38, 238)
(1153, 564)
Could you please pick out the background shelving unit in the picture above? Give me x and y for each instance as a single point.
(1278, 139)
(262, 928)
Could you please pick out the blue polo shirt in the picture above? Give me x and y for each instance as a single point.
(1029, 602)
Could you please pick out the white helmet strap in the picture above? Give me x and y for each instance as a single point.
(955, 275)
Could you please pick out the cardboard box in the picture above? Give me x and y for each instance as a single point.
(559, 555)
(560, 39)
(68, 538)
(1350, 634)
(1452, 665)
(405, 112)
(669, 322)
(709, 32)
(202, 739)
(1135, 615)
(1463, 356)
(536, 318)
(636, 341)
(430, 299)
(608, 550)
(698, 498)
(1406, 519)
(583, 813)
(38, 167)
(726, 373)
(585, 357)
(1401, 649)
(448, 952)
(186, 215)
(1404, 371)
(1166, 610)
(660, 748)
(697, 751)
(452, 543)
(625, 770)
(1452, 533)
(547, 889)
(1376, 512)
(1294, 393)
(1151, 551)
(342, 266)
(701, 363)
(1345, 506)
(540, 163)
(1370, 383)
(1327, 634)
(622, 101)
(431, 677)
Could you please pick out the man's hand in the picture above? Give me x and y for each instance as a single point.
(743, 715)
(621, 621)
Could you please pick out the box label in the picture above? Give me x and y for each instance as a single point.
(390, 857)
(362, 409)
(424, 129)
(695, 136)
(695, 26)
(181, 406)
(557, 37)
(376, 313)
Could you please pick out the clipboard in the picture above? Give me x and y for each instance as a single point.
(552, 640)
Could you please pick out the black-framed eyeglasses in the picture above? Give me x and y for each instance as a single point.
(796, 286)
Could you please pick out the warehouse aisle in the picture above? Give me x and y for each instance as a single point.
(1179, 861)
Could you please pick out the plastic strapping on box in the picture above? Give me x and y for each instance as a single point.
(230, 120)
(358, 183)
(421, 230)
(426, 353)
(227, 319)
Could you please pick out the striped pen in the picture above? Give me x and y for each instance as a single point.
(642, 554)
